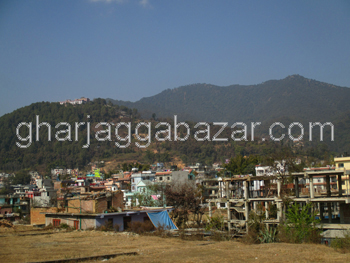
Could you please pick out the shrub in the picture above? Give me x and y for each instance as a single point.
(251, 237)
(141, 227)
(161, 231)
(267, 235)
(108, 226)
(215, 222)
(342, 244)
(300, 225)
(255, 225)
(65, 226)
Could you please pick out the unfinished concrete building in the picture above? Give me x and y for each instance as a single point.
(268, 194)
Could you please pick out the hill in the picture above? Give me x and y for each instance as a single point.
(70, 145)
(295, 97)
(292, 99)
(25, 150)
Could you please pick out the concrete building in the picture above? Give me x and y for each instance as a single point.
(342, 163)
(241, 197)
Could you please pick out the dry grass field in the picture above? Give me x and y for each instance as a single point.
(24, 244)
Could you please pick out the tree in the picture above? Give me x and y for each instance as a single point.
(242, 165)
(186, 200)
(6, 188)
(21, 177)
(154, 116)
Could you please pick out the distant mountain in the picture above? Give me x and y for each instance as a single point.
(294, 97)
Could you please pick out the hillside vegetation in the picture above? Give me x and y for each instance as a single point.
(44, 154)
(293, 99)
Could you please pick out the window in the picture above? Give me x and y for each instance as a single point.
(168, 178)
(76, 224)
(341, 165)
(160, 178)
(56, 222)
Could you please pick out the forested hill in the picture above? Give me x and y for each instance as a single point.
(25, 151)
(294, 97)
(51, 153)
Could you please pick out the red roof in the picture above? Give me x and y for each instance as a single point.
(163, 173)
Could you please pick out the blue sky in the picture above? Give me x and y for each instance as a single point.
(128, 49)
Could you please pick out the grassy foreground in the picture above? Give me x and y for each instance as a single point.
(24, 244)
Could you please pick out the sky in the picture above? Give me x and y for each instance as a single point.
(52, 50)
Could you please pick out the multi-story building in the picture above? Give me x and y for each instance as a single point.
(343, 163)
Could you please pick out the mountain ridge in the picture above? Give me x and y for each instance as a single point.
(294, 96)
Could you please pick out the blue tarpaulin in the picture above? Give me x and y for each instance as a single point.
(161, 219)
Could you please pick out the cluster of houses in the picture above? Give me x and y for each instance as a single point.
(90, 200)
(40, 192)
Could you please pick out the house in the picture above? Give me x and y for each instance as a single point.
(142, 186)
(137, 177)
(163, 177)
(44, 195)
(14, 203)
(261, 170)
(175, 177)
(119, 220)
(92, 203)
(110, 185)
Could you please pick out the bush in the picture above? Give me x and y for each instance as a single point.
(215, 222)
(342, 244)
(108, 226)
(300, 225)
(141, 227)
(161, 231)
(65, 226)
(267, 235)
(255, 226)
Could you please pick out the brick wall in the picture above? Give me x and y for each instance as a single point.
(117, 200)
(87, 206)
(101, 205)
(36, 218)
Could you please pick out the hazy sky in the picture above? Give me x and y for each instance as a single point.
(52, 50)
